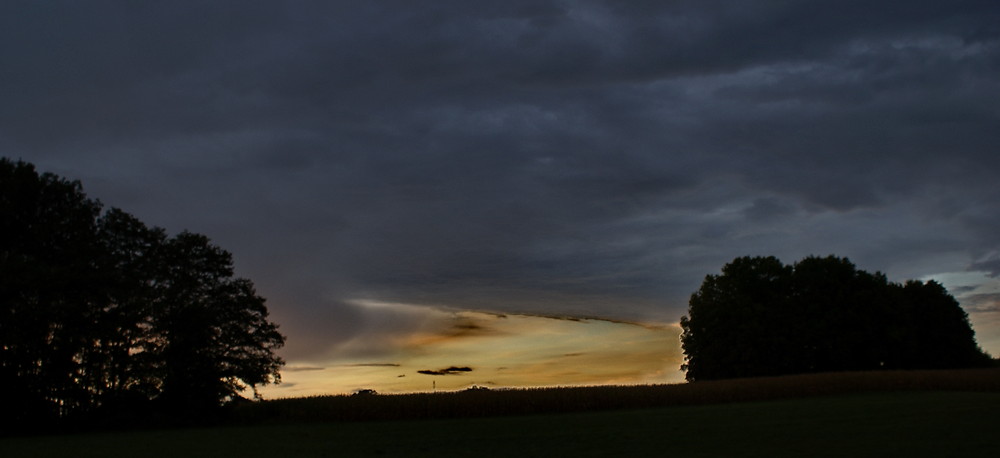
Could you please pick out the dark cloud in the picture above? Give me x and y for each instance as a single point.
(768, 208)
(453, 370)
(985, 223)
(982, 303)
(992, 266)
(569, 158)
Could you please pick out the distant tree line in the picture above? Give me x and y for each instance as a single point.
(761, 317)
(101, 315)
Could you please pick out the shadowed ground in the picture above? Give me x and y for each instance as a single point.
(908, 424)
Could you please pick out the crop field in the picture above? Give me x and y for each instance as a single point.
(934, 413)
(480, 403)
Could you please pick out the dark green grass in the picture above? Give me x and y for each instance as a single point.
(909, 423)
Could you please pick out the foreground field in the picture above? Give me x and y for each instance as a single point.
(885, 413)
(911, 424)
(481, 403)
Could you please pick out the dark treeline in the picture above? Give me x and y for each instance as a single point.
(104, 318)
(761, 317)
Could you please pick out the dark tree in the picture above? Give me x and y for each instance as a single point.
(752, 292)
(936, 331)
(123, 360)
(50, 291)
(836, 319)
(211, 333)
(100, 313)
(761, 317)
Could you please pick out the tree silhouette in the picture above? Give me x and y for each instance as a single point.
(98, 312)
(741, 305)
(211, 331)
(761, 317)
(49, 290)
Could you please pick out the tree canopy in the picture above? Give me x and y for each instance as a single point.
(761, 317)
(100, 313)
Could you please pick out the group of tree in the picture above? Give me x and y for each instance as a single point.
(761, 317)
(101, 315)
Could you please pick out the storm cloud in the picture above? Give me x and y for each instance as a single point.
(582, 158)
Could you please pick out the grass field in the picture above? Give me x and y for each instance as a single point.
(911, 424)
(948, 413)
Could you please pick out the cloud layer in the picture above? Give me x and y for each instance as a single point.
(555, 157)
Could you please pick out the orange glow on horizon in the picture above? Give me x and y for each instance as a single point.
(509, 351)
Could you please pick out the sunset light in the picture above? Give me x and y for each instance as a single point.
(501, 350)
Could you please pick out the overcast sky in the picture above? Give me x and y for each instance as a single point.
(549, 157)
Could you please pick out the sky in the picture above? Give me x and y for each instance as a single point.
(529, 185)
